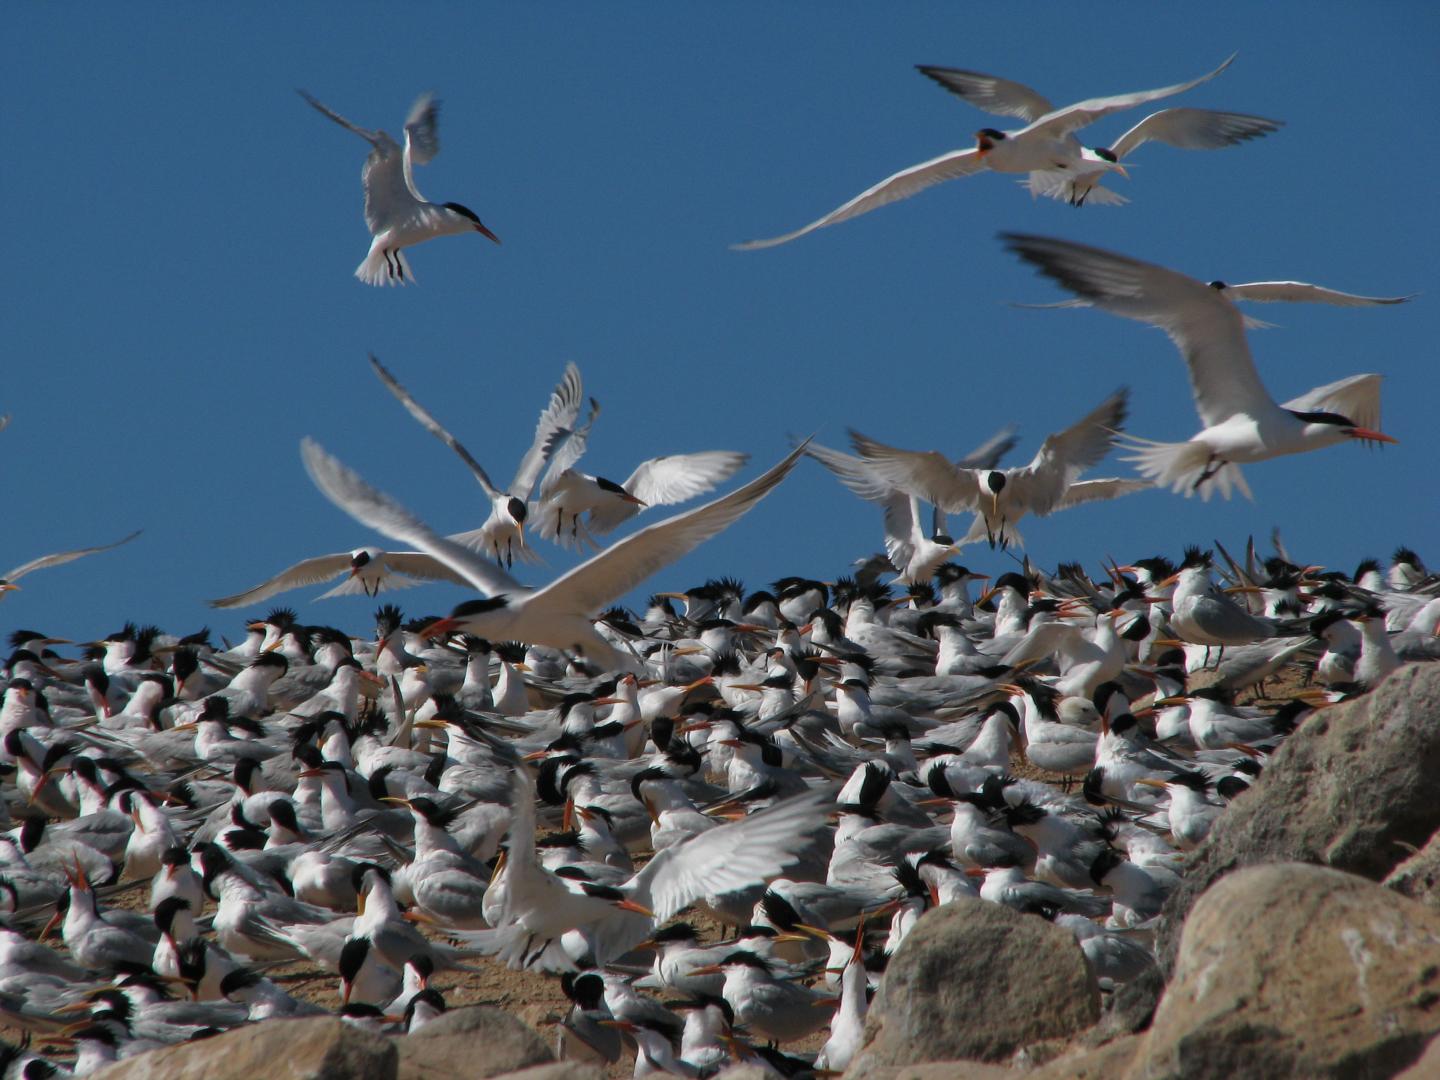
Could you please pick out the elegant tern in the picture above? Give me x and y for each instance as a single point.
(1046, 144)
(367, 570)
(397, 215)
(503, 533)
(561, 613)
(1000, 497)
(7, 580)
(1242, 421)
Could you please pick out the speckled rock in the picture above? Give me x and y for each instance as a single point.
(1295, 970)
(470, 1044)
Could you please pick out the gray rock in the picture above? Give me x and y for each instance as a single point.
(316, 1048)
(1349, 789)
(557, 1070)
(1295, 970)
(1418, 877)
(469, 1044)
(977, 981)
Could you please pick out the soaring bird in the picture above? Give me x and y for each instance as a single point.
(1046, 144)
(366, 570)
(7, 580)
(561, 614)
(1242, 421)
(1001, 497)
(397, 214)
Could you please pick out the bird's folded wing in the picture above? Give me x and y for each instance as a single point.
(1355, 397)
(556, 423)
(902, 185)
(344, 487)
(307, 572)
(1071, 118)
(601, 580)
(1194, 129)
(61, 557)
(926, 474)
(1002, 97)
(430, 424)
(731, 857)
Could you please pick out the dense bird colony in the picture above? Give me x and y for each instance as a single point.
(713, 820)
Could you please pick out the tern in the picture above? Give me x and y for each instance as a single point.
(1046, 144)
(59, 558)
(396, 213)
(1242, 421)
(560, 614)
(1000, 497)
(504, 530)
(367, 570)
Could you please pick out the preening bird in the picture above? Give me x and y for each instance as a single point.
(1001, 497)
(397, 214)
(1046, 144)
(560, 614)
(1242, 421)
(7, 580)
(503, 533)
(367, 570)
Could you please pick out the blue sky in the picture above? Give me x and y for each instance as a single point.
(183, 230)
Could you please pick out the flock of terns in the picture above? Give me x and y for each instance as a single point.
(548, 779)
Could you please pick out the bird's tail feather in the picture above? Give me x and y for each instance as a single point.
(1184, 467)
(353, 585)
(384, 267)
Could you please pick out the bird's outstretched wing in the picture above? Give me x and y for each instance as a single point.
(1205, 326)
(372, 137)
(601, 580)
(1195, 129)
(1002, 97)
(1110, 487)
(1063, 456)
(61, 557)
(430, 424)
(988, 454)
(902, 185)
(556, 422)
(926, 474)
(1356, 397)
(1071, 118)
(855, 473)
(345, 488)
(1270, 292)
(422, 138)
(306, 572)
(568, 452)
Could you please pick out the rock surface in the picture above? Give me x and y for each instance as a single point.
(556, 1070)
(1296, 970)
(1350, 789)
(1418, 877)
(470, 1044)
(978, 981)
(317, 1048)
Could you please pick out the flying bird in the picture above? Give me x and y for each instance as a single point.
(1046, 144)
(7, 580)
(1242, 421)
(397, 214)
(367, 570)
(559, 614)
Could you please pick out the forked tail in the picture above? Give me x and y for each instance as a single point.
(1184, 467)
(384, 266)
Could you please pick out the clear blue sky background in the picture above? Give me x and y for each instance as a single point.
(182, 230)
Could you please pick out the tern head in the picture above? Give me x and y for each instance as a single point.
(470, 216)
(1107, 156)
(986, 138)
(1320, 423)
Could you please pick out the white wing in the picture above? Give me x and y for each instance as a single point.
(1062, 457)
(307, 572)
(902, 529)
(385, 175)
(995, 95)
(344, 487)
(1268, 292)
(1071, 118)
(417, 564)
(568, 452)
(1112, 487)
(600, 581)
(1195, 129)
(422, 138)
(1204, 325)
(731, 857)
(61, 557)
(988, 454)
(902, 185)
(556, 422)
(926, 474)
(4, 421)
(855, 473)
(430, 424)
(372, 137)
(1357, 398)
(664, 481)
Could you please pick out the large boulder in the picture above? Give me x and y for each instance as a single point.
(470, 1043)
(1296, 970)
(316, 1048)
(976, 980)
(1353, 788)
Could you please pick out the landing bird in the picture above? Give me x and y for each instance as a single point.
(1001, 497)
(1047, 144)
(504, 530)
(7, 580)
(1242, 421)
(397, 214)
(560, 614)
(366, 570)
